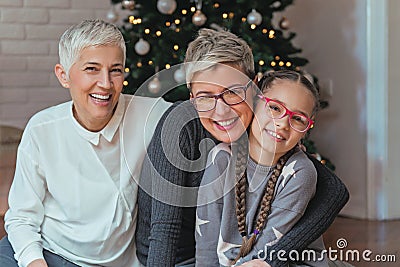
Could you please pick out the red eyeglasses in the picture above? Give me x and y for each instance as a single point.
(276, 110)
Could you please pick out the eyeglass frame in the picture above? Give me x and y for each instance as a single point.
(220, 96)
(289, 113)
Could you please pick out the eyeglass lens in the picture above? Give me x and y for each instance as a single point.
(230, 97)
(297, 121)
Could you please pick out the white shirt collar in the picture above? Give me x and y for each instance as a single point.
(108, 131)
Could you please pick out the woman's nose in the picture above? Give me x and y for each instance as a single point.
(104, 80)
(221, 107)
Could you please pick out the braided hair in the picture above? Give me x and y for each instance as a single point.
(264, 207)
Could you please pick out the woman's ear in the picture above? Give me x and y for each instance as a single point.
(61, 75)
(255, 80)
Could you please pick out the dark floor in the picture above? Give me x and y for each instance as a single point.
(355, 237)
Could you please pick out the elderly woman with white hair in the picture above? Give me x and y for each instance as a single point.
(73, 199)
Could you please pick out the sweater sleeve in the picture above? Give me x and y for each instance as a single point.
(209, 210)
(330, 197)
(25, 215)
(170, 165)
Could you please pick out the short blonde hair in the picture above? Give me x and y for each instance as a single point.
(212, 47)
(94, 32)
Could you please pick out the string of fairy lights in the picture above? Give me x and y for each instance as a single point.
(198, 18)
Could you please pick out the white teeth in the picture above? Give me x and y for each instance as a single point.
(226, 123)
(102, 97)
(275, 135)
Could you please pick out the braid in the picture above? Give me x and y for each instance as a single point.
(264, 206)
(240, 186)
(240, 192)
(267, 199)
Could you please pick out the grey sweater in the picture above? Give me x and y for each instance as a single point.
(217, 235)
(177, 155)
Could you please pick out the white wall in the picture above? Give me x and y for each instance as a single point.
(354, 44)
(29, 33)
(332, 35)
(393, 172)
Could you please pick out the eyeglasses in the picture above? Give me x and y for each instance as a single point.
(277, 110)
(231, 96)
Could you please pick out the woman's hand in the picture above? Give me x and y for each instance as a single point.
(255, 263)
(38, 263)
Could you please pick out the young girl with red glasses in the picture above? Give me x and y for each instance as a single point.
(238, 219)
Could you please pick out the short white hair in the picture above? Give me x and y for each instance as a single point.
(88, 33)
(212, 47)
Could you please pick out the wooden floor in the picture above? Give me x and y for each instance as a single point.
(382, 238)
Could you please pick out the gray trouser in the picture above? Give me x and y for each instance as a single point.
(7, 257)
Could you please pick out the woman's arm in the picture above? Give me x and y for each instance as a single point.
(25, 214)
(210, 208)
(330, 197)
(173, 164)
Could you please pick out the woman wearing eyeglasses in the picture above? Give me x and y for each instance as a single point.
(219, 69)
(238, 219)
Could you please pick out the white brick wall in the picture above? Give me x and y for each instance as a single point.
(29, 33)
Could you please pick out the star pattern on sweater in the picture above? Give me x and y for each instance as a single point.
(198, 223)
(287, 172)
(278, 236)
(222, 248)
